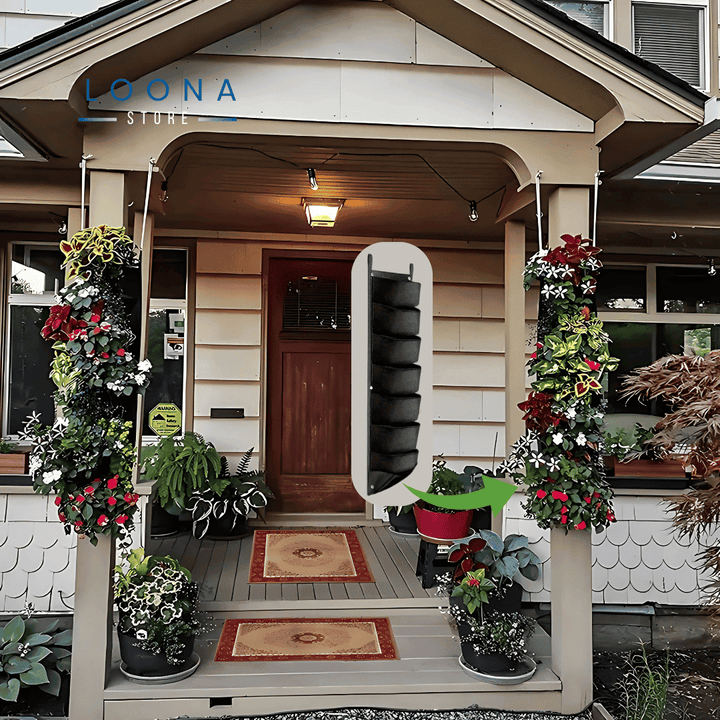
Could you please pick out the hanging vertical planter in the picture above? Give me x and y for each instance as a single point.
(560, 457)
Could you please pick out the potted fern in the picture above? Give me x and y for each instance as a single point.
(220, 510)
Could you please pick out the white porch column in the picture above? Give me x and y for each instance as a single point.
(571, 591)
(514, 336)
(92, 626)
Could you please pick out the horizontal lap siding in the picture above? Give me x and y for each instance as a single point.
(228, 344)
(469, 345)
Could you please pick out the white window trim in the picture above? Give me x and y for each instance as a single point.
(704, 32)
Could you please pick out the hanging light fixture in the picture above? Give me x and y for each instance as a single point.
(711, 267)
(473, 211)
(321, 212)
(313, 180)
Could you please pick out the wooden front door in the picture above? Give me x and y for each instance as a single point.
(308, 421)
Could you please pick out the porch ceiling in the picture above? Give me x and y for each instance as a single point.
(386, 193)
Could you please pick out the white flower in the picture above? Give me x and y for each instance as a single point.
(557, 438)
(571, 412)
(144, 365)
(536, 459)
(553, 464)
(50, 477)
(548, 292)
(581, 439)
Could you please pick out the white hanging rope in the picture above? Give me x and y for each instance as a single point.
(538, 212)
(598, 183)
(83, 166)
(151, 165)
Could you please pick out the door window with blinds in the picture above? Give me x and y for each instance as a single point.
(672, 36)
(592, 14)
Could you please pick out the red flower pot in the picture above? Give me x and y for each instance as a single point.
(443, 526)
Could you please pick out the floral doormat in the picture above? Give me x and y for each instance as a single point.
(302, 556)
(306, 639)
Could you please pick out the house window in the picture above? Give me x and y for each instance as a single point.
(676, 311)
(34, 278)
(673, 37)
(592, 14)
(166, 331)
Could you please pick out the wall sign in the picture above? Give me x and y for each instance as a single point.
(165, 419)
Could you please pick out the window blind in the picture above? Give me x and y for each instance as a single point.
(670, 36)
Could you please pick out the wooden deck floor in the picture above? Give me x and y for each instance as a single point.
(426, 676)
(221, 568)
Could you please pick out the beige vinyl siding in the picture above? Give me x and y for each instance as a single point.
(469, 345)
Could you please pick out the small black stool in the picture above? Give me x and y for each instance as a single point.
(431, 563)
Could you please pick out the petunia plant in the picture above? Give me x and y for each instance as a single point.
(86, 456)
(560, 458)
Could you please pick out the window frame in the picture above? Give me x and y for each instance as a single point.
(703, 32)
(45, 299)
(608, 19)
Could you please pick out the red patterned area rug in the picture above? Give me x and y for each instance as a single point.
(306, 639)
(303, 556)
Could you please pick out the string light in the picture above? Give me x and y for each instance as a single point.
(711, 267)
(311, 177)
(473, 211)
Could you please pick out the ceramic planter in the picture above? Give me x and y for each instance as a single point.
(144, 663)
(403, 523)
(443, 526)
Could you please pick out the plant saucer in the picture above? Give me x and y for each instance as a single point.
(185, 671)
(524, 671)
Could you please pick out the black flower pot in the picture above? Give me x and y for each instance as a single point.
(143, 662)
(463, 626)
(398, 293)
(403, 523)
(509, 601)
(391, 439)
(489, 663)
(398, 322)
(388, 350)
(164, 524)
(389, 410)
(222, 528)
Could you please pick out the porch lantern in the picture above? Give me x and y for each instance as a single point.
(322, 213)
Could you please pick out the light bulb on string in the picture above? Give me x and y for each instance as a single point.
(473, 211)
(311, 177)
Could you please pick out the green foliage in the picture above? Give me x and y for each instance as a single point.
(444, 482)
(6, 447)
(180, 467)
(474, 589)
(645, 688)
(32, 653)
(238, 494)
(157, 603)
(625, 444)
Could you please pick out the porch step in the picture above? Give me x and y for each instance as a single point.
(326, 520)
(427, 675)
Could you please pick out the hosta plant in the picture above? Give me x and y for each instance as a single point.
(33, 653)
(237, 494)
(157, 603)
(559, 459)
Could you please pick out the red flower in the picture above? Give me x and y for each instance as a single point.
(103, 520)
(89, 490)
(586, 312)
(104, 355)
(111, 500)
(79, 498)
(563, 510)
(128, 497)
(59, 325)
(473, 582)
(558, 495)
(534, 356)
(538, 345)
(58, 501)
(581, 525)
(540, 494)
(596, 494)
(588, 500)
(122, 519)
(564, 519)
(610, 517)
(592, 364)
(95, 318)
(96, 331)
(78, 523)
(121, 352)
(112, 482)
(61, 516)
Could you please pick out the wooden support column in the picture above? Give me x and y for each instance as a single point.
(571, 554)
(73, 221)
(514, 336)
(92, 628)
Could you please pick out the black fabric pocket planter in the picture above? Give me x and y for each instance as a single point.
(399, 293)
(395, 380)
(391, 439)
(400, 322)
(388, 410)
(399, 463)
(388, 350)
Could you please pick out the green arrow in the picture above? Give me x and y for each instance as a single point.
(496, 494)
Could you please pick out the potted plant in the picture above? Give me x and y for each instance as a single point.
(220, 510)
(158, 618)
(12, 460)
(438, 523)
(179, 467)
(402, 519)
(502, 561)
(632, 454)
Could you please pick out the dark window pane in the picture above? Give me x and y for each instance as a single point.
(166, 384)
(169, 274)
(591, 14)
(687, 290)
(622, 289)
(36, 269)
(30, 357)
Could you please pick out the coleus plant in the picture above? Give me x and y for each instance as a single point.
(559, 458)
